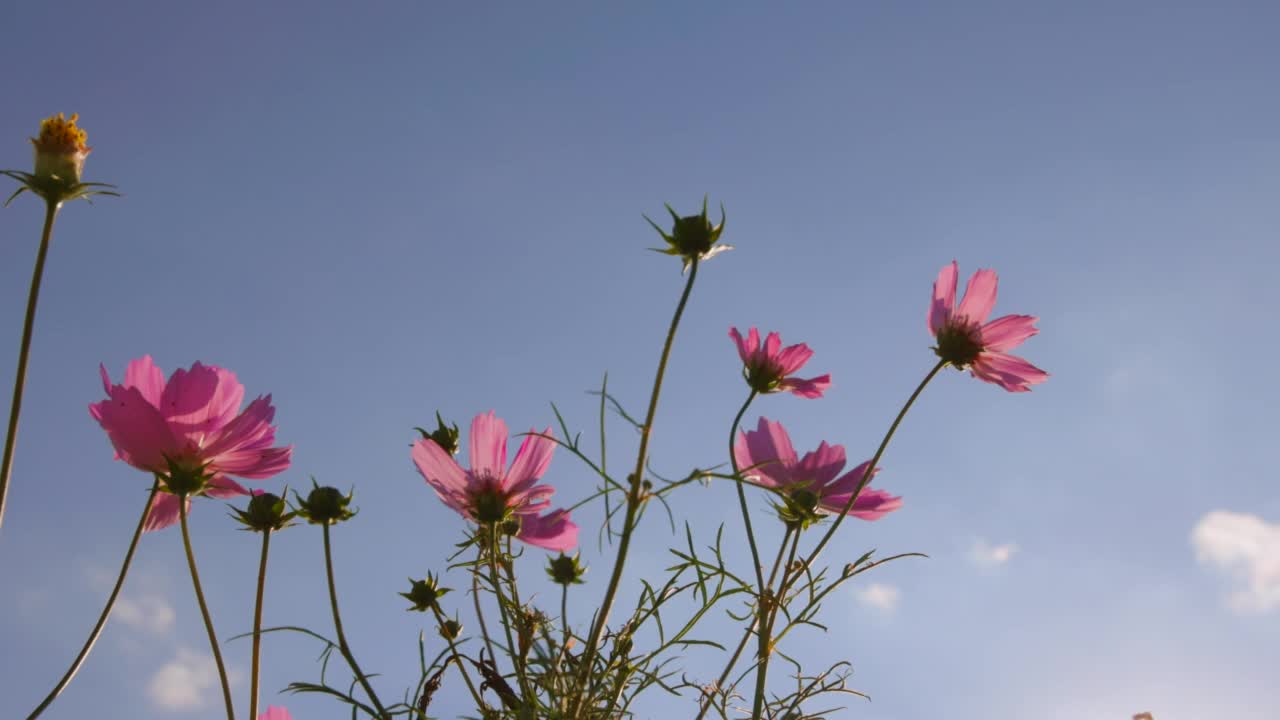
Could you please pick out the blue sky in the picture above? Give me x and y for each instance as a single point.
(377, 213)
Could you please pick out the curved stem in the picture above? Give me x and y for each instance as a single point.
(516, 660)
(342, 636)
(770, 614)
(633, 494)
(204, 608)
(257, 626)
(106, 611)
(24, 352)
(742, 494)
(457, 660)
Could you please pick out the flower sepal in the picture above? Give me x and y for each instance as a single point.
(424, 594)
(60, 152)
(692, 237)
(325, 505)
(265, 512)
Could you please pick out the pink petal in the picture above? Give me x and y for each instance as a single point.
(792, 358)
(766, 454)
(144, 375)
(743, 352)
(979, 297)
(1008, 332)
(140, 435)
(812, 388)
(164, 512)
(944, 297)
(532, 459)
(820, 466)
(488, 446)
(443, 474)
(255, 463)
(1008, 371)
(251, 429)
(275, 713)
(221, 486)
(772, 344)
(186, 398)
(848, 482)
(872, 504)
(553, 531)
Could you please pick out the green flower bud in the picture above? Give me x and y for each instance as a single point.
(265, 512)
(444, 435)
(424, 594)
(565, 570)
(450, 629)
(325, 505)
(692, 237)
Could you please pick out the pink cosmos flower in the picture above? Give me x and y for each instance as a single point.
(767, 365)
(492, 493)
(809, 485)
(275, 713)
(193, 423)
(966, 339)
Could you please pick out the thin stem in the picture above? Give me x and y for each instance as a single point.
(751, 629)
(342, 636)
(564, 643)
(875, 459)
(742, 494)
(24, 352)
(457, 660)
(771, 615)
(106, 611)
(257, 626)
(494, 548)
(475, 596)
(633, 494)
(204, 609)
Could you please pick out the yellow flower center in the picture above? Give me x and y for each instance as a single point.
(61, 133)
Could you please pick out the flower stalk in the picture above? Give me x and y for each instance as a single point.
(204, 609)
(343, 646)
(256, 662)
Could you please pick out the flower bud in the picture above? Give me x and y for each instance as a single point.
(424, 594)
(692, 237)
(265, 512)
(565, 570)
(325, 506)
(444, 435)
(450, 629)
(60, 150)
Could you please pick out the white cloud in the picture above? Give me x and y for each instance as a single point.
(184, 683)
(984, 554)
(880, 596)
(1246, 547)
(150, 613)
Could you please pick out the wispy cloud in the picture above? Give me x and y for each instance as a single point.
(880, 596)
(150, 613)
(184, 683)
(988, 555)
(1246, 547)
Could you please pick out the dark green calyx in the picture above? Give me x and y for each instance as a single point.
(325, 506)
(764, 378)
(446, 436)
(424, 594)
(565, 570)
(450, 629)
(265, 512)
(489, 506)
(185, 478)
(799, 508)
(511, 526)
(692, 237)
(958, 345)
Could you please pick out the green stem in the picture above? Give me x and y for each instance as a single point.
(751, 629)
(831, 531)
(457, 660)
(765, 646)
(343, 647)
(494, 548)
(564, 644)
(742, 494)
(204, 609)
(106, 611)
(475, 596)
(257, 626)
(633, 494)
(24, 352)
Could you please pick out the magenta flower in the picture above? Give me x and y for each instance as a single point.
(767, 365)
(191, 426)
(275, 713)
(809, 486)
(491, 493)
(966, 339)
